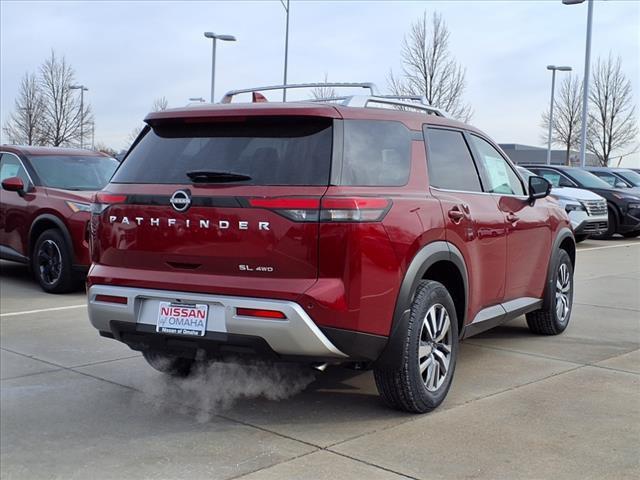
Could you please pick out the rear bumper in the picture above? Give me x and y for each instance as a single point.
(297, 335)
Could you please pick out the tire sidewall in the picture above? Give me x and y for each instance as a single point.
(437, 294)
(64, 282)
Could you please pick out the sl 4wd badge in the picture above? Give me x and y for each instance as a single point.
(256, 268)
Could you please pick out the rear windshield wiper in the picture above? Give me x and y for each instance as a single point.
(207, 176)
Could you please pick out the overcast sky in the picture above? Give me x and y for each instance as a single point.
(128, 53)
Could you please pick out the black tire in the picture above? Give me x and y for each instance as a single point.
(405, 387)
(51, 263)
(631, 234)
(547, 320)
(581, 238)
(169, 364)
(612, 226)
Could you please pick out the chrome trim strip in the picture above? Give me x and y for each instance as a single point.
(495, 311)
(297, 335)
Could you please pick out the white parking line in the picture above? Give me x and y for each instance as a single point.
(41, 310)
(609, 246)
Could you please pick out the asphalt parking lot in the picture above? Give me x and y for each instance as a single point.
(77, 406)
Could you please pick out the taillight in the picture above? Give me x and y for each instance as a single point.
(354, 209)
(327, 209)
(103, 200)
(298, 209)
(260, 313)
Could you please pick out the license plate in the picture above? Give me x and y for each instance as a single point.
(182, 319)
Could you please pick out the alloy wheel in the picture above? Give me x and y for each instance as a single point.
(563, 291)
(434, 349)
(49, 262)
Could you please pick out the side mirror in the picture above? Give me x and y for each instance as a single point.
(539, 187)
(13, 184)
(621, 184)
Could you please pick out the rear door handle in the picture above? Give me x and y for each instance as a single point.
(456, 215)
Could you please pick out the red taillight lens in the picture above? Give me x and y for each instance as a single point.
(111, 299)
(103, 200)
(260, 313)
(327, 209)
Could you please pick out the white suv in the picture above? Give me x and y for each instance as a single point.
(587, 210)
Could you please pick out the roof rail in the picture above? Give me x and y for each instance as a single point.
(368, 85)
(363, 101)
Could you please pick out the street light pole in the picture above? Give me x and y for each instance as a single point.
(214, 37)
(286, 50)
(82, 89)
(585, 92)
(553, 69)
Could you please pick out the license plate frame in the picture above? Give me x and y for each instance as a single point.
(187, 319)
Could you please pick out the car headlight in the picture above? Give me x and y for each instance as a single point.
(574, 207)
(79, 207)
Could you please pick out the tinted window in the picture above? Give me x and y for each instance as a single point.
(272, 151)
(586, 179)
(450, 163)
(11, 166)
(74, 172)
(607, 177)
(631, 176)
(501, 178)
(376, 153)
(555, 178)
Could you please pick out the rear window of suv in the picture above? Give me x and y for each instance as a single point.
(272, 151)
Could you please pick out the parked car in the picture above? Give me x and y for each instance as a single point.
(44, 210)
(623, 206)
(618, 177)
(587, 210)
(321, 232)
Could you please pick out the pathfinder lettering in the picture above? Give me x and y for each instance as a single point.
(174, 222)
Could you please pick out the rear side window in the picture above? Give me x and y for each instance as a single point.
(376, 153)
(272, 151)
(450, 163)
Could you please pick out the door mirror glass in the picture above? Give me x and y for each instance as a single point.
(13, 184)
(538, 187)
(621, 184)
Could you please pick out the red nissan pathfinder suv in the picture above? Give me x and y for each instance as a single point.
(45, 210)
(371, 230)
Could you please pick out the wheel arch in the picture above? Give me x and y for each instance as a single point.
(440, 261)
(45, 222)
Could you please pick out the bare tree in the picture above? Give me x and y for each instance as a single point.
(61, 115)
(324, 92)
(104, 148)
(159, 104)
(613, 123)
(430, 70)
(24, 125)
(567, 111)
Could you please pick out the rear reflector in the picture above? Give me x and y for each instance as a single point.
(112, 299)
(260, 313)
(327, 209)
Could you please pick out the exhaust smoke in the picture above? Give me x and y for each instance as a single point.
(213, 387)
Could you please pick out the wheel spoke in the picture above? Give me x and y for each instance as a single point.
(429, 322)
(425, 364)
(444, 330)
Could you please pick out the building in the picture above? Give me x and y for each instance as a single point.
(519, 153)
